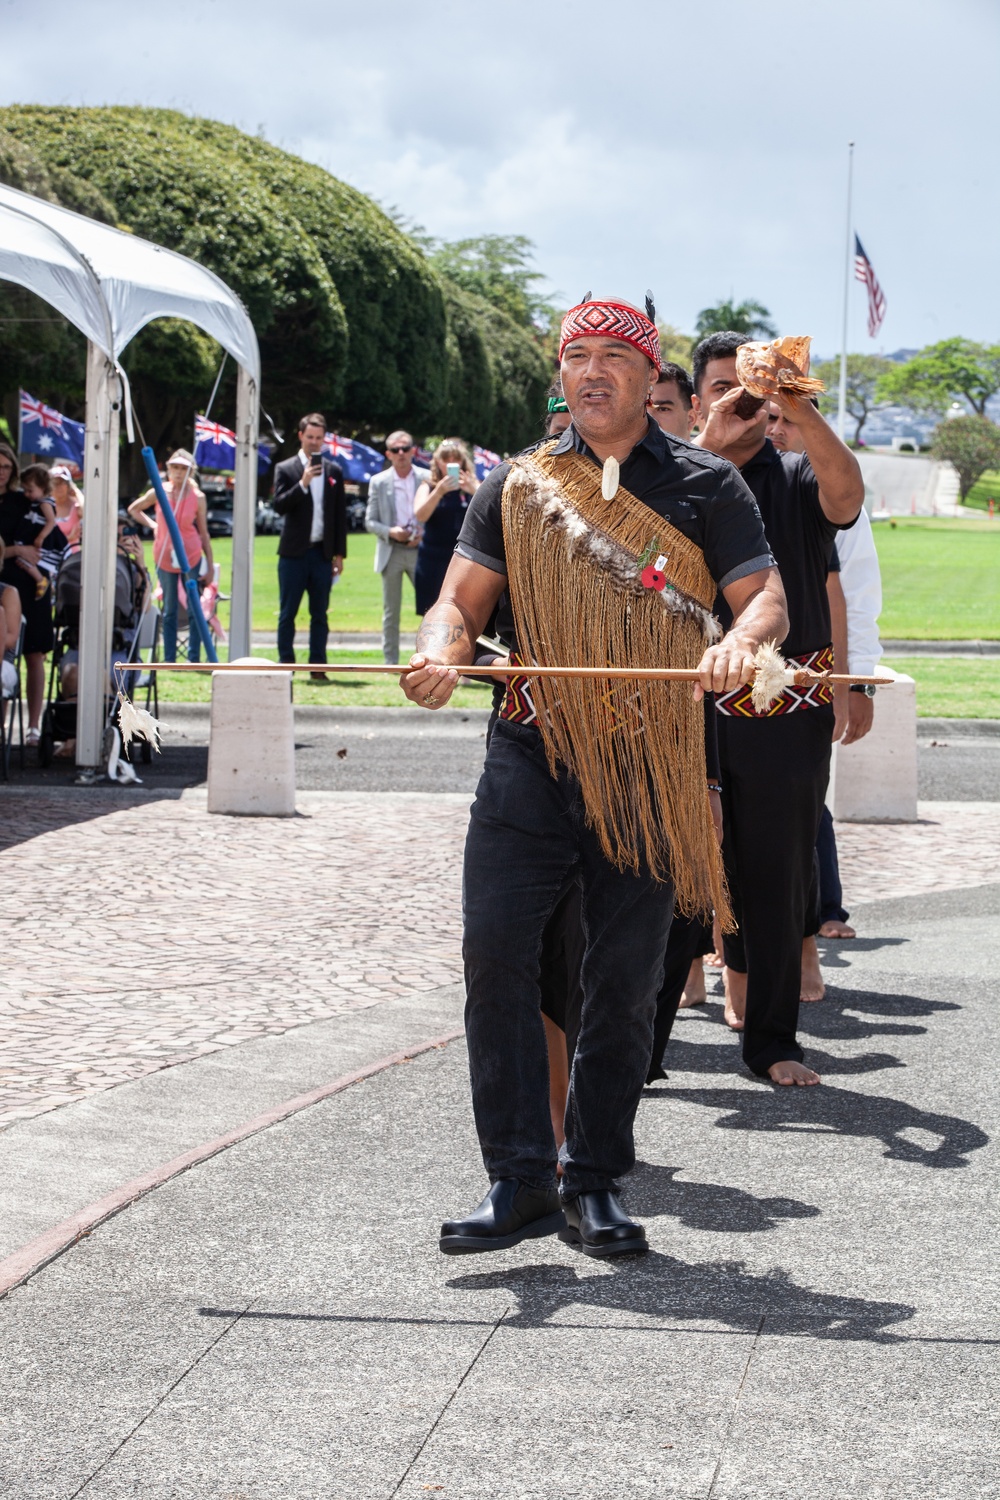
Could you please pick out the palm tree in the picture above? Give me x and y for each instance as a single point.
(751, 318)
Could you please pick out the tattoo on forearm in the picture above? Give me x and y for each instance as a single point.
(437, 637)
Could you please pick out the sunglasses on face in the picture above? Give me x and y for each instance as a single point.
(407, 449)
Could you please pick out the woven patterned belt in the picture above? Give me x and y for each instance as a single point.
(738, 705)
(518, 706)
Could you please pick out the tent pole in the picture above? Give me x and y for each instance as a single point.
(100, 533)
(244, 516)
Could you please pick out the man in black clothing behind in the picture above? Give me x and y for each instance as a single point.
(775, 769)
(309, 493)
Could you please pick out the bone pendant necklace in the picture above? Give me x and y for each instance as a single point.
(609, 478)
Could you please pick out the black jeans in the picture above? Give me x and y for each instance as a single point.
(527, 837)
(311, 573)
(774, 776)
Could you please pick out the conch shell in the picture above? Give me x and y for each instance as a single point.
(784, 363)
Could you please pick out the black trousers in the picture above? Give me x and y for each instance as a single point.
(690, 937)
(528, 840)
(831, 895)
(774, 778)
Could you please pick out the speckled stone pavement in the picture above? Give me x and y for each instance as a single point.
(139, 935)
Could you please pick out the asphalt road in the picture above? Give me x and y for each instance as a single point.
(403, 750)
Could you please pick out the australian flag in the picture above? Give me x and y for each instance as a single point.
(215, 447)
(357, 461)
(48, 433)
(485, 461)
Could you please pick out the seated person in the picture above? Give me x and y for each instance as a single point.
(10, 630)
(130, 547)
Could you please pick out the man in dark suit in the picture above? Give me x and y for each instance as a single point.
(309, 493)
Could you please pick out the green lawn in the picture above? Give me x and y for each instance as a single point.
(985, 490)
(361, 692)
(355, 603)
(940, 579)
(948, 688)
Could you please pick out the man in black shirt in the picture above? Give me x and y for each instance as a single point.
(775, 769)
(530, 829)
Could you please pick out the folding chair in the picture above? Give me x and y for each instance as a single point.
(9, 702)
(150, 629)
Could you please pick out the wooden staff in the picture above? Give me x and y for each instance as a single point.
(800, 677)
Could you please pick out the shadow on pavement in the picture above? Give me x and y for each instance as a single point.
(836, 1111)
(659, 1286)
(724, 1057)
(652, 1192)
(832, 1017)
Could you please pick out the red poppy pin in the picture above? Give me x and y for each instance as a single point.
(652, 578)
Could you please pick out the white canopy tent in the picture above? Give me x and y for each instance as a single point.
(109, 285)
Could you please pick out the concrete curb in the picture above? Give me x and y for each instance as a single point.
(19, 1267)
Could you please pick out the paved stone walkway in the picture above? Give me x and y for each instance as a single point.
(144, 936)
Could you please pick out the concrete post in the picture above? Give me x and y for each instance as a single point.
(244, 517)
(100, 478)
(251, 751)
(875, 781)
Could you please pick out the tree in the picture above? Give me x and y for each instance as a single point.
(952, 370)
(352, 316)
(496, 267)
(863, 374)
(751, 318)
(971, 444)
(675, 347)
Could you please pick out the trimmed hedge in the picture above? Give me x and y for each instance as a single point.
(350, 315)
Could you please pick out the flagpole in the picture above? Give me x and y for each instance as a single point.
(842, 394)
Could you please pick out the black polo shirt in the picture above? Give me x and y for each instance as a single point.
(696, 491)
(802, 539)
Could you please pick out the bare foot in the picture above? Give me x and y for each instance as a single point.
(811, 986)
(792, 1072)
(835, 929)
(715, 960)
(736, 998)
(694, 986)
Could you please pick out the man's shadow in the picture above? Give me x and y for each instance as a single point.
(652, 1191)
(660, 1287)
(943, 1140)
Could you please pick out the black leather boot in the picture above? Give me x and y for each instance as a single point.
(509, 1213)
(598, 1225)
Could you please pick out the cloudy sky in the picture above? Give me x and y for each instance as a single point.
(698, 150)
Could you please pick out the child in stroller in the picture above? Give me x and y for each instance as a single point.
(132, 596)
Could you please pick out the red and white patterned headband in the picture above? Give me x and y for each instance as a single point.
(611, 320)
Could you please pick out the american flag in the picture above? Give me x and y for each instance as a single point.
(864, 271)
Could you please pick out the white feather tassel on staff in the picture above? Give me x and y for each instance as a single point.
(137, 723)
(772, 675)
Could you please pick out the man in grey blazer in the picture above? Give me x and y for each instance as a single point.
(390, 516)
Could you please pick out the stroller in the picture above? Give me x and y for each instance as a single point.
(133, 630)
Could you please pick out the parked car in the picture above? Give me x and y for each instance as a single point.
(268, 520)
(219, 505)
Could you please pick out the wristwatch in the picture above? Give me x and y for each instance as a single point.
(867, 688)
